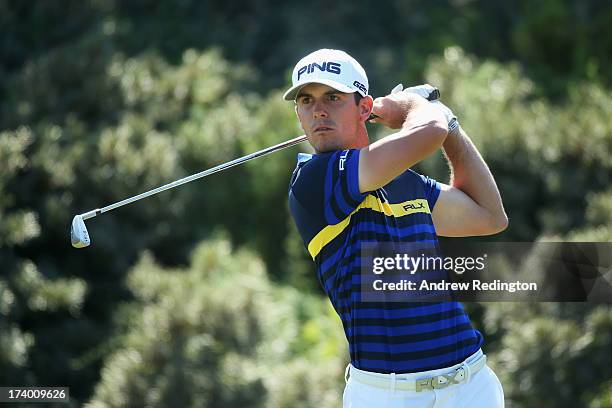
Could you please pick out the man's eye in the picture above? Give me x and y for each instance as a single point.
(304, 101)
(333, 97)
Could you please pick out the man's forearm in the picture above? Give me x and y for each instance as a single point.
(470, 174)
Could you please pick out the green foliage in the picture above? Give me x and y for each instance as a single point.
(220, 334)
(14, 344)
(549, 348)
(44, 295)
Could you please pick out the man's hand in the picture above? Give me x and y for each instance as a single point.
(395, 104)
(392, 110)
(433, 95)
(423, 129)
(426, 91)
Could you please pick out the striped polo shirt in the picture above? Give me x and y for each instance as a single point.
(334, 219)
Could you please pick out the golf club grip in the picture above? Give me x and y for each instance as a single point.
(196, 176)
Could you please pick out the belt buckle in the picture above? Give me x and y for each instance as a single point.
(433, 383)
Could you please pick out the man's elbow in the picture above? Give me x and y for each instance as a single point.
(497, 224)
(438, 130)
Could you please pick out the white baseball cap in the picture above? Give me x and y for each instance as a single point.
(333, 68)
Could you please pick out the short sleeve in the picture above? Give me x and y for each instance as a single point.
(328, 184)
(432, 190)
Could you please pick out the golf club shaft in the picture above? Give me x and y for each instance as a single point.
(235, 162)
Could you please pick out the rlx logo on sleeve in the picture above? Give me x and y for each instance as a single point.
(332, 67)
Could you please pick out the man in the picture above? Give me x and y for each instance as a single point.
(352, 192)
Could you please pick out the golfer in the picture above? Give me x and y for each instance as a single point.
(353, 192)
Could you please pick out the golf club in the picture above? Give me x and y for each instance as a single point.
(79, 236)
(78, 231)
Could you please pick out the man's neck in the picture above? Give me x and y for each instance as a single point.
(362, 140)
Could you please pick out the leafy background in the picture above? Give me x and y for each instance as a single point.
(204, 295)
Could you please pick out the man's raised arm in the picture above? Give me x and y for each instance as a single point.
(471, 204)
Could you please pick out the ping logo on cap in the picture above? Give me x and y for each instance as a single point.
(332, 67)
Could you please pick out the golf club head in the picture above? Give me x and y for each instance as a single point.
(78, 233)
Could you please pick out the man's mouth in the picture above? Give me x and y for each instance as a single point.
(322, 129)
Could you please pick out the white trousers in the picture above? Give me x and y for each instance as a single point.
(483, 390)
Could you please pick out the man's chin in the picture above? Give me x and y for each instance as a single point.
(328, 148)
(324, 143)
(324, 146)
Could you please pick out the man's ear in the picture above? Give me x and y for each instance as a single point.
(295, 108)
(365, 107)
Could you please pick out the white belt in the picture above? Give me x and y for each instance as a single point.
(456, 376)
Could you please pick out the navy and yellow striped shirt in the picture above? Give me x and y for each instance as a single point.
(334, 219)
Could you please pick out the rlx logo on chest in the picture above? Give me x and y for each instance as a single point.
(411, 206)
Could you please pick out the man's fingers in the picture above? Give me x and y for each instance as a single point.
(391, 110)
(388, 111)
(378, 102)
(378, 109)
(377, 106)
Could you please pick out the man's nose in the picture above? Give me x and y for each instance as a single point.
(319, 110)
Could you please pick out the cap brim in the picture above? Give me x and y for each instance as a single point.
(293, 91)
